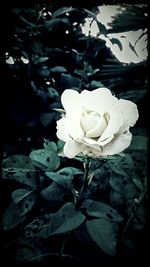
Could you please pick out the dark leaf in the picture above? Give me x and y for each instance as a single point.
(66, 219)
(26, 21)
(17, 213)
(103, 233)
(19, 194)
(139, 142)
(129, 191)
(101, 210)
(133, 95)
(39, 227)
(27, 255)
(21, 169)
(46, 157)
(46, 118)
(139, 220)
(70, 171)
(12, 217)
(19, 162)
(40, 60)
(116, 199)
(54, 192)
(116, 167)
(62, 11)
(63, 180)
(116, 182)
(69, 81)
(137, 181)
(52, 93)
(96, 84)
(26, 178)
(54, 23)
(58, 69)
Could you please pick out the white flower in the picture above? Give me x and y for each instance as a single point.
(96, 123)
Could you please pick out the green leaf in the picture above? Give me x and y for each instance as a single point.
(52, 93)
(12, 217)
(116, 182)
(132, 95)
(116, 199)
(50, 145)
(16, 213)
(27, 255)
(26, 21)
(116, 168)
(138, 183)
(139, 143)
(64, 177)
(27, 204)
(46, 157)
(127, 164)
(101, 210)
(39, 227)
(96, 84)
(62, 11)
(18, 161)
(103, 233)
(130, 191)
(58, 69)
(46, 118)
(63, 180)
(54, 23)
(27, 178)
(139, 220)
(21, 169)
(53, 192)
(40, 60)
(60, 145)
(70, 171)
(20, 194)
(66, 219)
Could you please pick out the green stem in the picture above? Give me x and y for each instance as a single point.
(62, 247)
(86, 180)
(134, 209)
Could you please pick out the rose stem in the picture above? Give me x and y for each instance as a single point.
(85, 182)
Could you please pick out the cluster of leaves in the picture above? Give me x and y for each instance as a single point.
(44, 213)
(47, 202)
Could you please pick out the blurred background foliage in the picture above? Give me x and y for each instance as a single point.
(44, 52)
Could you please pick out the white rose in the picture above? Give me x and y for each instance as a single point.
(95, 123)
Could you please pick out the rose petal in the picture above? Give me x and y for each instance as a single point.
(128, 111)
(105, 141)
(98, 100)
(88, 121)
(114, 124)
(91, 143)
(98, 129)
(72, 148)
(70, 100)
(71, 103)
(119, 143)
(62, 130)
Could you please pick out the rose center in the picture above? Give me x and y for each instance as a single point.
(92, 123)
